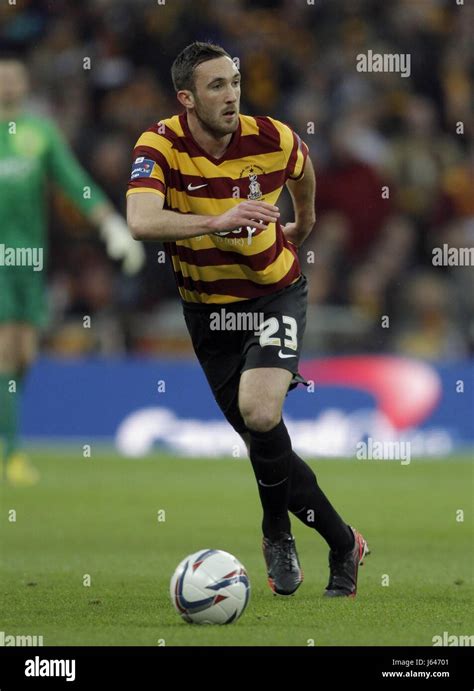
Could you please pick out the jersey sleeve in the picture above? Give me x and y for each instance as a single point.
(150, 167)
(294, 149)
(69, 175)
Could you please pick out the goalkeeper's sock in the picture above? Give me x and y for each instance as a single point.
(309, 503)
(270, 455)
(9, 411)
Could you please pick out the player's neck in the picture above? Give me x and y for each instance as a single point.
(214, 146)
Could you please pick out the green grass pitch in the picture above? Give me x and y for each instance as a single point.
(99, 517)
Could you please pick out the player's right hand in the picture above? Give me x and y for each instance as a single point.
(249, 213)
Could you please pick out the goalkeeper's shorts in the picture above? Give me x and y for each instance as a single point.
(225, 348)
(22, 296)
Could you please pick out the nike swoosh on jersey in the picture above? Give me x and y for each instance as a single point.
(285, 355)
(196, 187)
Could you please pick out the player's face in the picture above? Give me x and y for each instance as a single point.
(217, 95)
(13, 82)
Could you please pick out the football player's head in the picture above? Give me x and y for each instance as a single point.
(13, 80)
(207, 82)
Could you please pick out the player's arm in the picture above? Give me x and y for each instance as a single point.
(82, 191)
(148, 220)
(302, 192)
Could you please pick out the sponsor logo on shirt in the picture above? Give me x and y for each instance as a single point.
(142, 167)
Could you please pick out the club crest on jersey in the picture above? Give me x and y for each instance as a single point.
(255, 191)
(142, 167)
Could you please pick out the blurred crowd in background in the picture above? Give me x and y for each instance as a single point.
(393, 157)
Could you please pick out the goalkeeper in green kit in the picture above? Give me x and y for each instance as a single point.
(31, 152)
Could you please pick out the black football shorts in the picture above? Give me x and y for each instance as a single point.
(259, 332)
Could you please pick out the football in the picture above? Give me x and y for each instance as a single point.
(210, 587)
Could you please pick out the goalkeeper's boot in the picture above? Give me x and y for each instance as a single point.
(343, 568)
(283, 567)
(19, 470)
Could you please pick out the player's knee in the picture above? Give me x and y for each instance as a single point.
(257, 418)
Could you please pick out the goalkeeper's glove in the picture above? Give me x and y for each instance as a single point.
(120, 244)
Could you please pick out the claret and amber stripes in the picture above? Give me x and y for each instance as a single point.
(240, 264)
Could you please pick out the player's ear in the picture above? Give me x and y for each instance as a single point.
(186, 98)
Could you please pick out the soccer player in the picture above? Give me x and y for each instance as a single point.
(206, 183)
(31, 151)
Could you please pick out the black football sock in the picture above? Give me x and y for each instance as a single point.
(309, 503)
(270, 455)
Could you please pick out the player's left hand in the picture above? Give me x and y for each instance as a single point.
(120, 244)
(296, 233)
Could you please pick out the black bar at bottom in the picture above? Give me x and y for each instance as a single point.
(152, 668)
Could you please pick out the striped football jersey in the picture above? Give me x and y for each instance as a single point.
(234, 265)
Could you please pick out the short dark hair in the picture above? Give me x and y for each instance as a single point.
(182, 70)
